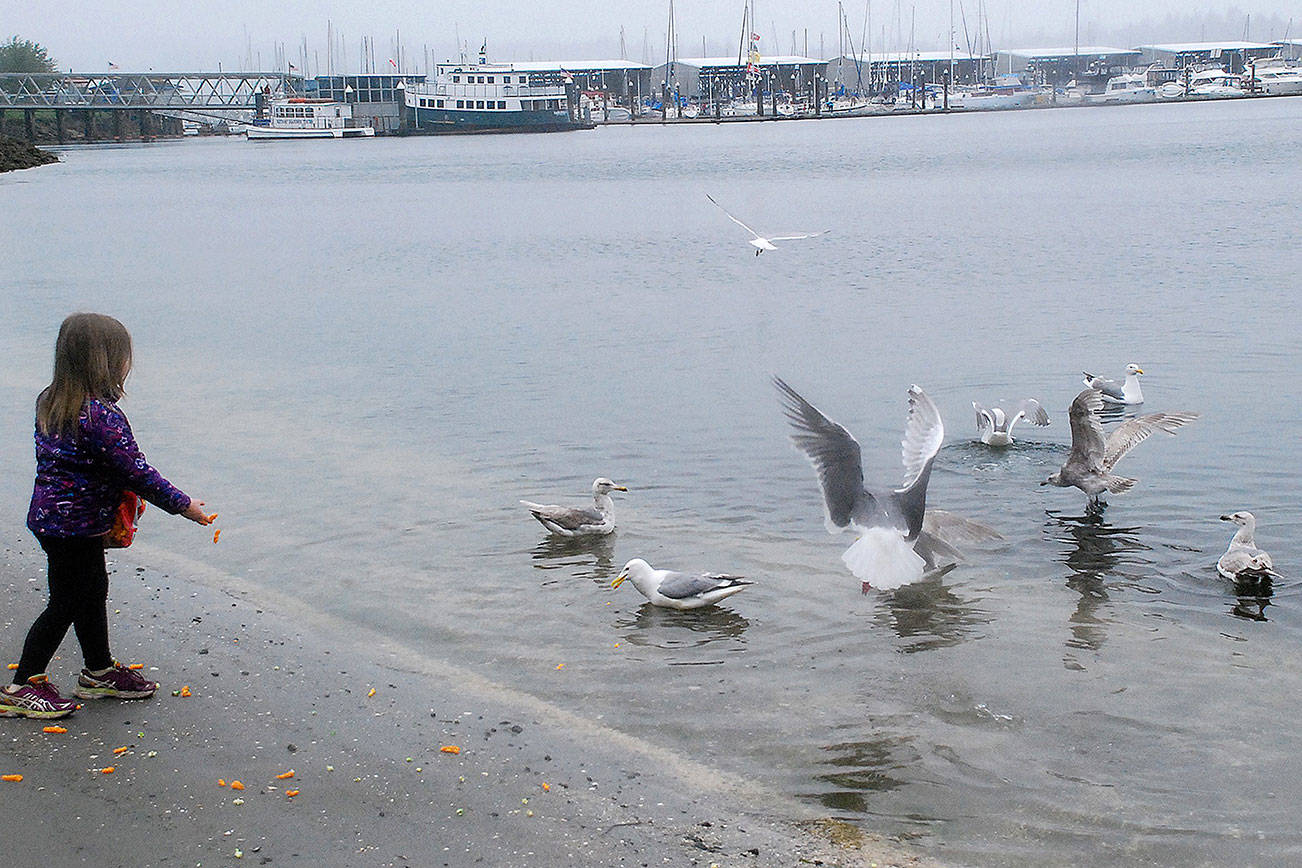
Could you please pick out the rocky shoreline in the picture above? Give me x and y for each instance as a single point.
(21, 155)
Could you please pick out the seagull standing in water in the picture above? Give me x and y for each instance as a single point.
(575, 521)
(1113, 392)
(1243, 559)
(759, 242)
(995, 426)
(1089, 466)
(672, 590)
(892, 549)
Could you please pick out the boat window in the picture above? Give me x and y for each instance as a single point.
(456, 78)
(481, 79)
(461, 103)
(440, 104)
(490, 79)
(479, 103)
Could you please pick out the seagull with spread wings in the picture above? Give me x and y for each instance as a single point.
(759, 242)
(1093, 456)
(893, 548)
(995, 425)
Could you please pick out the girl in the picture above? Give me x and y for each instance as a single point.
(85, 458)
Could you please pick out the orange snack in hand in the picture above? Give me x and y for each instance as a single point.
(136, 666)
(212, 518)
(12, 666)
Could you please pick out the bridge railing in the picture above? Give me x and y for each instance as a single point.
(143, 90)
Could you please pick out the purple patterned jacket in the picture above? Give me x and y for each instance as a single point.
(80, 477)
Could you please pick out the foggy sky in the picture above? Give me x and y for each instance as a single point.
(138, 35)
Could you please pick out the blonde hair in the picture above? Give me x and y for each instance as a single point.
(92, 358)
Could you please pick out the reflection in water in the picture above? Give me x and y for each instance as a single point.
(1097, 552)
(931, 615)
(1253, 593)
(862, 767)
(655, 627)
(591, 556)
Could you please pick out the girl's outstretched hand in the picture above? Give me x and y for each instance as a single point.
(195, 513)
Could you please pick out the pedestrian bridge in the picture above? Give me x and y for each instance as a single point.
(132, 91)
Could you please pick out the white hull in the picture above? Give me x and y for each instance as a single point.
(270, 133)
(1122, 97)
(1282, 86)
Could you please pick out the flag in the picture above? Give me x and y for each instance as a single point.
(112, 65)
(754, 37)
(393, 63)
(292, 67)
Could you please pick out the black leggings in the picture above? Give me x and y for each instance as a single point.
(78, 598)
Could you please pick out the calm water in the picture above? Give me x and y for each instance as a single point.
(364, 354)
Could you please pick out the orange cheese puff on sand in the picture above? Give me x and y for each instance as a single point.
(55, 729)
(285, 775)
(291, 793)
(12, 666)
(236, 785)
(13, 779)
(108, 770)
(450, 748)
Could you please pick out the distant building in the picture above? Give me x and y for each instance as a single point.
(866, 74)
(708, 79)
(1290, 48)
(1231, 56)
(376, 99)
(1061, 65)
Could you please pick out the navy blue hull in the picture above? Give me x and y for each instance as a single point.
(435, 120)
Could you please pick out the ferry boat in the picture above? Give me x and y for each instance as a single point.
(488, 97)
(303, 118)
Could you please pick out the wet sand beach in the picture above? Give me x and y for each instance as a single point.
(276, 687)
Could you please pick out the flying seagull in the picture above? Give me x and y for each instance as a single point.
(995, 426)
(580, 520)
(1243, 559)
(1089, 466)
(893, 548)
(1118, 393)
(679, 590)
(759, 242)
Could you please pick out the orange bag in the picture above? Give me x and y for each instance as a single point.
(123, 532)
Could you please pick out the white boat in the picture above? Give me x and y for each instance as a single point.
(488, 97)
(987, 98)
(1215, 83)
(1131, 87)
(1280, 80)
(302, 118)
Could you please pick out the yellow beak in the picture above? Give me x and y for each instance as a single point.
(1139, 370)
(622, 488)
(619, 580)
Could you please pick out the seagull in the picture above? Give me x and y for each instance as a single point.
(1243, 559)
(679, 590)
(1118, 393)
(996, 424)
(580, 520)
(893, 548)
(1089, 466)
(759, 242)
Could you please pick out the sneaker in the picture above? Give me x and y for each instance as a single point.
(37, 698)
(119, 682)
